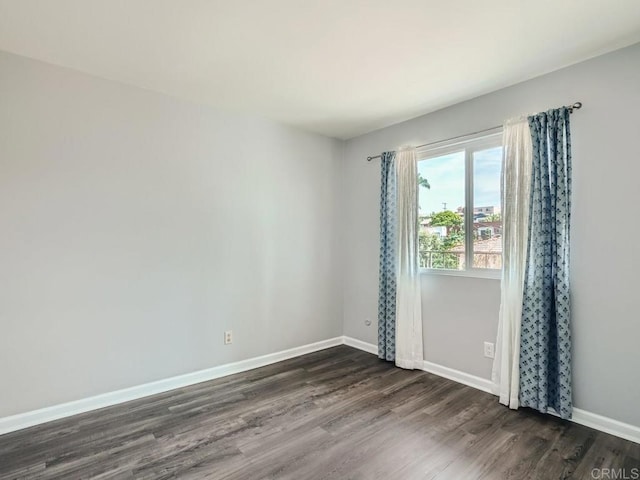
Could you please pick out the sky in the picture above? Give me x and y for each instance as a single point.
(446, 176)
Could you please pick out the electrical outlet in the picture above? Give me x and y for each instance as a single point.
(488, 349)
(228, 337)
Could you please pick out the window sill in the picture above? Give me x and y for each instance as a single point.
(475, 273)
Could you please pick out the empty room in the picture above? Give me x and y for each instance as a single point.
(319, 239)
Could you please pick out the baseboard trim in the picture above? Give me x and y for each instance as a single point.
(606, 424)
(56, 412)
(360, 345)
(458, 376)
(582, 417)
(446, 372)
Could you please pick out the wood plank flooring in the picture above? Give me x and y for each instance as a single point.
(335, 414)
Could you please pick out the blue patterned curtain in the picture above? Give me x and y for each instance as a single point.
(387, 285)
(545, 342)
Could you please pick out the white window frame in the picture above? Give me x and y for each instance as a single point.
(480, 141)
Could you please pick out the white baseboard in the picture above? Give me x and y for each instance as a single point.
(35, 417)
(446, 372)
(360, 345)
(458, 376)
(606, 424)
(582, 417)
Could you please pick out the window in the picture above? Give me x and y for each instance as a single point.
(459, 206)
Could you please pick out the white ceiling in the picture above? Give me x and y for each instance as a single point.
(336, 67)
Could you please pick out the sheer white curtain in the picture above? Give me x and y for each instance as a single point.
(516, 188)
(408, 307)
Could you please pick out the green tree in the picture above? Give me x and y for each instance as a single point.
(493, 217)
(448, 219)
(423, 182)
(434, 249)
(434, 252)
(453, 240)
(437, 250)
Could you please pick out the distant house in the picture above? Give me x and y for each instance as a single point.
(480, 212)
(440, 231)
(485, 230)
(482, 230)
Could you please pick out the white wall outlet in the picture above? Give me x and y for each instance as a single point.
(228, 337)
(489, 349)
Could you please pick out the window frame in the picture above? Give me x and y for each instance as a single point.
(480, 141)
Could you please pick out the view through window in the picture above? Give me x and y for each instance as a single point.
(455, 179)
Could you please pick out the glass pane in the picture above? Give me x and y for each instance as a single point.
(487, 215)
(441, 213)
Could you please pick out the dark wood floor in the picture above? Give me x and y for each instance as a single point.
(339, 413)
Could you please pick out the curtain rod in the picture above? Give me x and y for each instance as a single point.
(574, 106)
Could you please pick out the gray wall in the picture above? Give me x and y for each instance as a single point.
(460, 313)
(136, 228)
